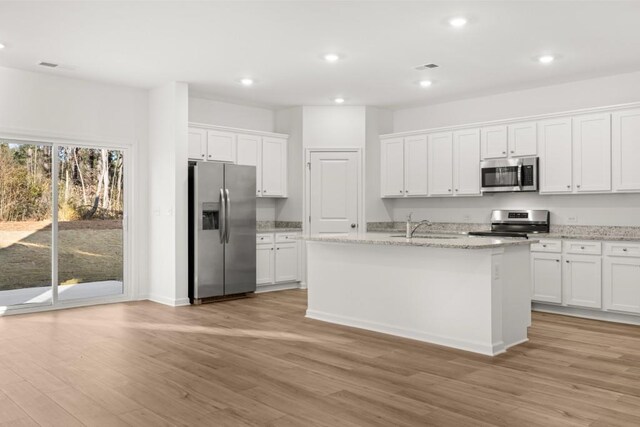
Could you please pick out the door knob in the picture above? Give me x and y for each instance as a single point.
(353, 226)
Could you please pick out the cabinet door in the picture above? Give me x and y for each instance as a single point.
(626, 150)
(494, 142)
(415, 166)
(197, 144)
(392, 167)
(582, 281)
(249, 152)
(592, 153)
(466, 162)
(554, 144)
(622, 284)
(523, 139)
(546, 277)
(286, 262)
(274, 167)
(221, 146)
(264, 264)
(441, 164)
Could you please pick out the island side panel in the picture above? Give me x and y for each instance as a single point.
(516, 294)
(438, 295)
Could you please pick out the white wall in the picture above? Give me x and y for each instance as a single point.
(168, 250)
(618, 89)
(378, 121)
(290, 121)
(232, 115)
(609, 209)
(333, 127)
(47, 106)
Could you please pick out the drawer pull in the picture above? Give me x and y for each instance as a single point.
(581, 247)
(544, 246)
(624, 249)
(567, 261)
(559, 260)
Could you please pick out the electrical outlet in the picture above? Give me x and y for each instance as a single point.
(572, 220)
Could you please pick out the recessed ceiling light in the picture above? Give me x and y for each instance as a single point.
(458, 21)
(246, 81)
(546, 59)
(338, 100)
(331, 57)
(1, 46)
(425, 83)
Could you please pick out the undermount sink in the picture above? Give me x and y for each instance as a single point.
(422, 236)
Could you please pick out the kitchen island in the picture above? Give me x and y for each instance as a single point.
(470, 293)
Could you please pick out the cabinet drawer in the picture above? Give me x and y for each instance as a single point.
(546, 245)
(582, 247)
(286, 237)
(264, 238)
(622, 249)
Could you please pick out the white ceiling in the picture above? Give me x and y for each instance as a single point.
(212, 44)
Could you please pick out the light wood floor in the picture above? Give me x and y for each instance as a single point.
(258, 361)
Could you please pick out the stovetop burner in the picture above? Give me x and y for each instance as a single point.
(516, 223)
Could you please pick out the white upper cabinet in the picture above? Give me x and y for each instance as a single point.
(592, 153)
(274, 170)
(249, 152)
(415, 166)
(197, 144)
(221, 146)
(626, 150)
(554, 144)
(466, 162)
(494, 142)
(392, 167)
(441, 164)
(523, 139)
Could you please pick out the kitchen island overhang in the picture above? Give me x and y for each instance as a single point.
(469, 293)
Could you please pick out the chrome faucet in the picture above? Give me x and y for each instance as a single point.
(410, 230)
(423, 222)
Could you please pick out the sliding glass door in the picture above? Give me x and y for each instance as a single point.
(25, 224)
(61, 224)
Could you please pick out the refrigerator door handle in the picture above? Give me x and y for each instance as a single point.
(223, 216)
(227, 229)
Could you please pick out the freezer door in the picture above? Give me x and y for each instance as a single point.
(240, 251)
(208, 209)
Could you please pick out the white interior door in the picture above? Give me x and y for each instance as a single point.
(334, 189)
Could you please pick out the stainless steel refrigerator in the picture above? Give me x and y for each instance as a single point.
(222, 230)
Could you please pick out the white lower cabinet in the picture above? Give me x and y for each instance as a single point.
(277, 259)
(286, 262)
(546, 277)
(621, 284)
(582, 281)
(264, 264)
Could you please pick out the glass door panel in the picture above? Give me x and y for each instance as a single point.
(90, 219)
(25, 224)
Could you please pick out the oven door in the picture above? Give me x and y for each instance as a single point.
(504, 175)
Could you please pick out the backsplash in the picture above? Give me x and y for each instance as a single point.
(268, 225)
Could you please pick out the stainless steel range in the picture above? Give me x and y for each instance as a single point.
(516, 223)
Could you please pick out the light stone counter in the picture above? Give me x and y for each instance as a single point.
(435, 240)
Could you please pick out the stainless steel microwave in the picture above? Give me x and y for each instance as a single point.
(509, 175)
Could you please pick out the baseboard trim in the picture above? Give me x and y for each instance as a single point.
(169, 301)
(476, 347)
(277, 287)
(585, 313)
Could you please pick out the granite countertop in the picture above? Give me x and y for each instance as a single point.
(575, 232)
(279, 230)
(447, 240)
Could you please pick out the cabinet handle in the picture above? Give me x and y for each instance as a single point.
(559, 260)
(512, 151)
(272, 249)
(209, 155)
(624, 249)
(567, 261)
(264, 191)
(504, 152)
(568, 186)
(401, 191)
(203, 156)
(278, 248)
(449, 190)
(578, 185)
(581, 247)
(544, 246)
(406, 191)
(456, 189)
(262, 238)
